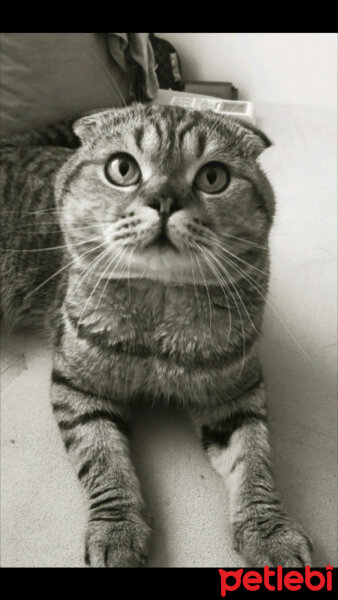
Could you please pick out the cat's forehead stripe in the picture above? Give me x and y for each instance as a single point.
(169, 135)
(201, 143)
(139, 133)
(148, 137)
(183, 132)
(169, 132)
(192, 139)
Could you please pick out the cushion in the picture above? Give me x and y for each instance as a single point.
(50, 76)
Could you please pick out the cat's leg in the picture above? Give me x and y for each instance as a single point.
(95, 433)
(235, 437)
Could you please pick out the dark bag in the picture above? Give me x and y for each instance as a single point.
(168, 66)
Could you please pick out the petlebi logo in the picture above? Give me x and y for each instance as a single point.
(276, 579)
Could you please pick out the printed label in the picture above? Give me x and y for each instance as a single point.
(206, 104)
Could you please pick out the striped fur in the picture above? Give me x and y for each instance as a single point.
(235, 437)
(153, 290)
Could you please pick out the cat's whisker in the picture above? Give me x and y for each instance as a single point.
(243, 274)
(55, 274)
(118, 256)
(194, 281)
(220, 279)
(222, 282)
(42, 211)
(240, 317)
(48, 232)
(232, 282)
(239, 239)
(207, 290)
(87, 270)
(115, 259)
(103, 255)
(35, 225)
(209, 236)
(55, 222)
(129, 266)
(49, 249)
(84, 273)
(263, 295)
(121, 254)
(246, 263)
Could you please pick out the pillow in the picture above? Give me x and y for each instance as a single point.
(46, 77)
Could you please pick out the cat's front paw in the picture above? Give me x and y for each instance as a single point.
(117, 543)
(272, 541)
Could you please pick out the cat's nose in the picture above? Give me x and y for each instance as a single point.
(164, 205)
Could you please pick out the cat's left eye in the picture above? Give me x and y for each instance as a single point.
(212, 178)
(122, 170)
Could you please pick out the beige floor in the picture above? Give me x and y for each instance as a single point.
(42, 507)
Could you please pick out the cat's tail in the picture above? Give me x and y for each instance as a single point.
(57, 134)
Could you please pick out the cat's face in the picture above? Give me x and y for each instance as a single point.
(159, 190)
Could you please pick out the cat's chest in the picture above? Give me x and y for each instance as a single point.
(180, 322)
(153, 341)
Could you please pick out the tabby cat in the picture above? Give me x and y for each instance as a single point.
(141, 240)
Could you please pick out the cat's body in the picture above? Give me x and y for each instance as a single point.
(29, 165)
(168, 311)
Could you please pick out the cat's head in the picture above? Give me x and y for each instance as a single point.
(158, 191)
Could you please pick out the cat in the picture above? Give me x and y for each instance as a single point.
(139, 236)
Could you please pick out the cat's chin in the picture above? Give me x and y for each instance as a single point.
(165, 264)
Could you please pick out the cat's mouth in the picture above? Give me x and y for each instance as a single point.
(162, 240)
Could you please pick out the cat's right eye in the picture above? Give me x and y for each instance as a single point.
(122, 170)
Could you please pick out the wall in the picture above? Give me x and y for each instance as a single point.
(286, 68)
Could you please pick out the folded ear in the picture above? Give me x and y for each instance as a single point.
(254, 139)
(84, 126)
